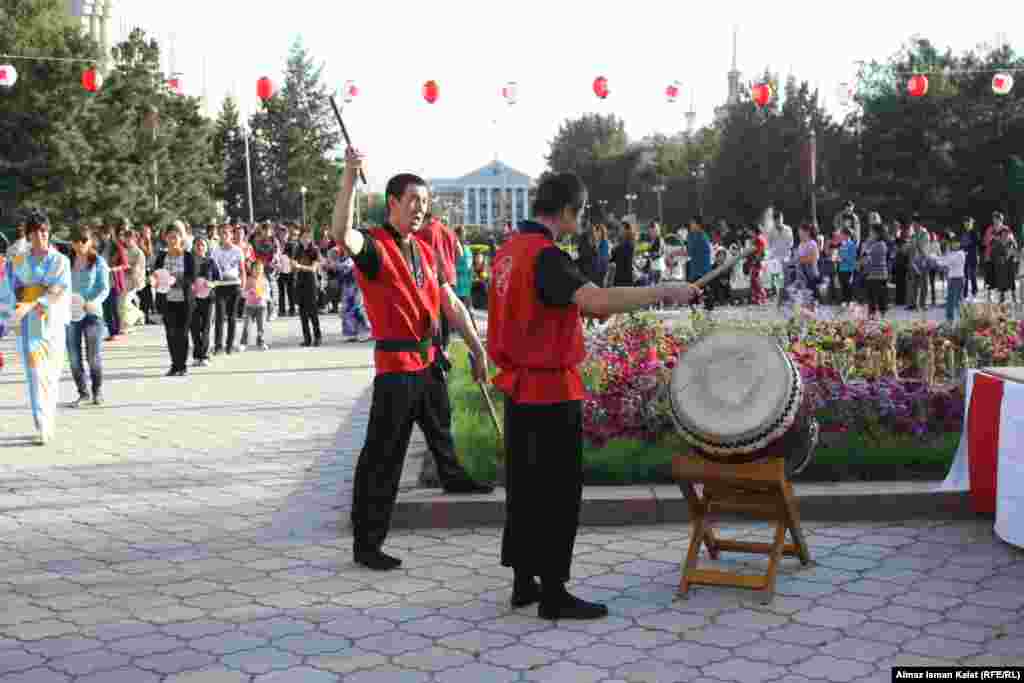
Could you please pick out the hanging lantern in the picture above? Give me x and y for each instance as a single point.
(8, 76)
(264, 88)
(510, 92)
(844, 93)
(431, 91)
(917, 86)
(174, 85)
(672, 91)
(762, 93)
(601, 87)
(92, 79)
(350, 91)
(1002, 84)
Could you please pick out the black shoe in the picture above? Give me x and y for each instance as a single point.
(306, 344)
(317, 341)
(376, 560)
(97, 399)
(525, 593)
(77, 403)
(567, 606)
(173, 372)
(216, 352)
(182, 372)
(469, 487)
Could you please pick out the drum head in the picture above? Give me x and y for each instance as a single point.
(734, 391)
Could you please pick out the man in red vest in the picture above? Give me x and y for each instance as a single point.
(404, 292)
(535, 337)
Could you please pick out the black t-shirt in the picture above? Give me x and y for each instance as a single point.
(622, 258)
(555, 275)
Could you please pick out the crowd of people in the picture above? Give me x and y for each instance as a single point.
(901, 262)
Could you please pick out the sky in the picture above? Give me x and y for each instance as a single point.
(552, 49)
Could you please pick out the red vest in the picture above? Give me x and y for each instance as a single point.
(398, 307)
(536, 347)
(441, 239)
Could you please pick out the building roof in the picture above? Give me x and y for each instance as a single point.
(493, 173)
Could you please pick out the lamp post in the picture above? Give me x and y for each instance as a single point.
(630, 198)
(659, 189)
(604, 208)
(248, 170)
(303, 191)
(698, 177)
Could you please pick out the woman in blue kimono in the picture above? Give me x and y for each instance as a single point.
(35, 305)
(355, 326)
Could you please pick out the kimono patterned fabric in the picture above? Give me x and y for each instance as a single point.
(354, 322)
(41, 334)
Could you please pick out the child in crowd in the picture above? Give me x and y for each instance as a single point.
(256, 296)
(953, 262)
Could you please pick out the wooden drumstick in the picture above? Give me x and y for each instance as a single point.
(721, 270)
(344, 133)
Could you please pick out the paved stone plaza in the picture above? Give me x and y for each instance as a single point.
(194, 530)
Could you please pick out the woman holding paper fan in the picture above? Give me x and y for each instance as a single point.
(90, 287)
(176, 271)
(207, 274)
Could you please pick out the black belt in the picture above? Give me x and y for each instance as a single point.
(400, 345)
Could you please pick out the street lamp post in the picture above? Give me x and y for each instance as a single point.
(630, 198)
(659, 189)
(604, 208)
(698, 177)
(303, 191)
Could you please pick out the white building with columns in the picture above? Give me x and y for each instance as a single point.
(488, 196)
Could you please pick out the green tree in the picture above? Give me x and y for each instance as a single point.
(296, 136)
(41, 148)
(228, 157)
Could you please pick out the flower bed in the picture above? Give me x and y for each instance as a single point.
(889, 398)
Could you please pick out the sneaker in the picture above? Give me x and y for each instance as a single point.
(201, 363)
(348, 338)
(77, 403)
(241, 347)
(215, 352)
(317, 341)
(364, 338)
(97, 399)
(173, 372)
(264, 347)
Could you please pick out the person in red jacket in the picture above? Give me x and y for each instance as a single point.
(535, 337)
(441, 239)
(404, 292)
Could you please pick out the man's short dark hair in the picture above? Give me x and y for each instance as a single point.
(398, 184)
(916, 218)
(698, 219)
(36, 219)
(558, 192)
(777, 216)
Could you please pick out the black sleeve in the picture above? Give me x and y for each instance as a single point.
(557, 277)
(368, 260)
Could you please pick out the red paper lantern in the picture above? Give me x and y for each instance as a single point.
(762, 93)
(510, 92)
(601, 87)
(8, 75)
(431, 91)
(92, 79)
(264, 88)
(1002, 84)
(351, 91)
(917, 86)
(174, 85)
(672, 91)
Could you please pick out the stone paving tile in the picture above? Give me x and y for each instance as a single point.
(222, 561)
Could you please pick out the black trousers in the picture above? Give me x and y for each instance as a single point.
(309, 311)
(400, 400)
(846, 287)
(227, 305)
(201, 320)
(285, 293)
(970, 278)
(543, 487)
(878, 296)
(146, 301)
(177, 318)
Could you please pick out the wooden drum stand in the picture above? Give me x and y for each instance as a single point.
(758, 489)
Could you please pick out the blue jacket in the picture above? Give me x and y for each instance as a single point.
(848, 256)
(93, 285)
(698, 248)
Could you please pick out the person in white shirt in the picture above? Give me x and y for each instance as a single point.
(780, 247)
(953, 261)
(231, 262)
(20, 244)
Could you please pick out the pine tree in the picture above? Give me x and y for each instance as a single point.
(41, 148)
(228, 157)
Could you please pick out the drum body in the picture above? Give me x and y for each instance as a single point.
(738, 397)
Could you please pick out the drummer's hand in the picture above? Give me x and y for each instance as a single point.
(20, 311)
(354, 161)
(680, 293)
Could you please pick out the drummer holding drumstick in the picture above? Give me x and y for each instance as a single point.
(535, 337)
